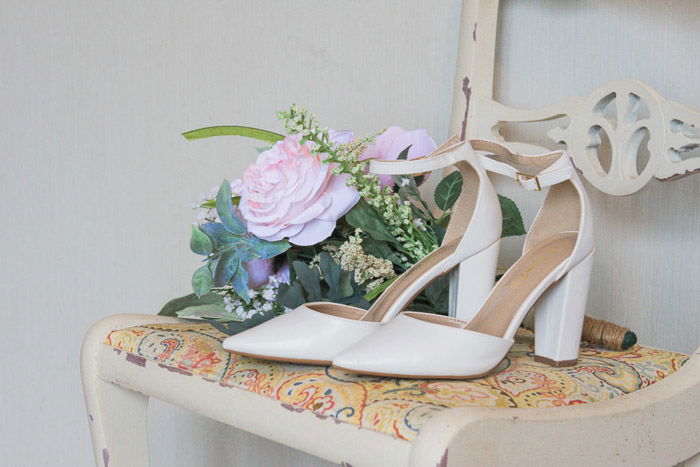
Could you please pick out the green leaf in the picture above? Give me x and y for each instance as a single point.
(403, 155)
(378, 290)
(248, 132)
(239, 283)
(200, 242)
(310, 279)
(290, 296)
(330, 269)
(263, 149)
(226, 268)
(234, 327)
(224, 207)
(512, 219)
(267, 249)
(201, 281)
(382, 250)
(365, 217)
(177, 304)
(448, 190)
(219, 235)
(211, 311)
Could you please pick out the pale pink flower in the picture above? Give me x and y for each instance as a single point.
(393, 141)
(290, 193)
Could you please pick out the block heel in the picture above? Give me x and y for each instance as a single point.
(559, 317)
(471, 281)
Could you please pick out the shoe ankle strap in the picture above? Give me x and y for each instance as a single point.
(555, 166)
(446, 154)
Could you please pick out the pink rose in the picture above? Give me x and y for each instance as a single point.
(290, 193)
(395, 139)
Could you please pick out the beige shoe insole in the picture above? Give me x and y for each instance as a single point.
(519, 281)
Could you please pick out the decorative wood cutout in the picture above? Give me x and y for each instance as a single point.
(629, 113)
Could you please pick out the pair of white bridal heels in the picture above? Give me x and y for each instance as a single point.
(554, 269)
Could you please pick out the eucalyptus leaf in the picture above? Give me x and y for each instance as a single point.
(212, 311)
(200, 242)
(310, 279)
(226, 268)
(512, 219)
(234, 327)
(448, 190)
(180, 303)
(201, 281)
(330, 269)
(266, 249)
(218, 234)
(224, 207)
(248, 132)
(290, 296)
(239, 283)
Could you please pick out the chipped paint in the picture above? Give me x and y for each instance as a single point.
(292, 408)
(345, 464)
(443, 460)
(175, 369)
(105, 457)
(474, 32)
(117, 350)
(467, 90)
(91, 418)
(677, 176)
(136, 359)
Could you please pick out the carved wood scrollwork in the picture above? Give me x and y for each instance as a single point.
(633, 119)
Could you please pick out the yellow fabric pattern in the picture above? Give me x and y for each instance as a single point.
(399, 407)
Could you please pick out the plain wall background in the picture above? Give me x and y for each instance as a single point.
(96, 181)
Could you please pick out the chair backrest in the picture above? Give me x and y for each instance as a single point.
(621, 135)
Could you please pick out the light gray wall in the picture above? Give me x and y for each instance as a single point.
(95, 181)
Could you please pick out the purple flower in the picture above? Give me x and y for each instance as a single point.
(393, 141)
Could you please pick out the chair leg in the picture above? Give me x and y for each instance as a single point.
(117, 416)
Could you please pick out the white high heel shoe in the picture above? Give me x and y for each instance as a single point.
(316, 332)
(557, 259)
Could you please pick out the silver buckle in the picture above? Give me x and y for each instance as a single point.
(522, 178)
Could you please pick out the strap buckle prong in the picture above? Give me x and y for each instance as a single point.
(521, 178)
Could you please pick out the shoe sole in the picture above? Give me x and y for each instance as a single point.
(282, 359)
(400, 376)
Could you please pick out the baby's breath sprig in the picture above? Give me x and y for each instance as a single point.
(397, 215)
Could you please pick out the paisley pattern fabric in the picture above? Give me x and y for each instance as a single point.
(398, 407)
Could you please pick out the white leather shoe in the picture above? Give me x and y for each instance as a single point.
(317, 332)
(556, 259)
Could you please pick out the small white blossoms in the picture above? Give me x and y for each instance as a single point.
(262, 300)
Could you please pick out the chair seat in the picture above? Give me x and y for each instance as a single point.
(397, 407)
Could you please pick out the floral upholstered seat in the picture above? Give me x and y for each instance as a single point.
(397, 407)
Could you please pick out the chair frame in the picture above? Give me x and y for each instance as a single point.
(658, 425)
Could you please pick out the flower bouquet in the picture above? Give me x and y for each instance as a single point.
(307, 222)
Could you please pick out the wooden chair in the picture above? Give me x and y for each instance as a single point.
(125, 362)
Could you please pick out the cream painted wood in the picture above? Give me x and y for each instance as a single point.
(107, 373)
(643, 428)
(547, 51)
(670, 127)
